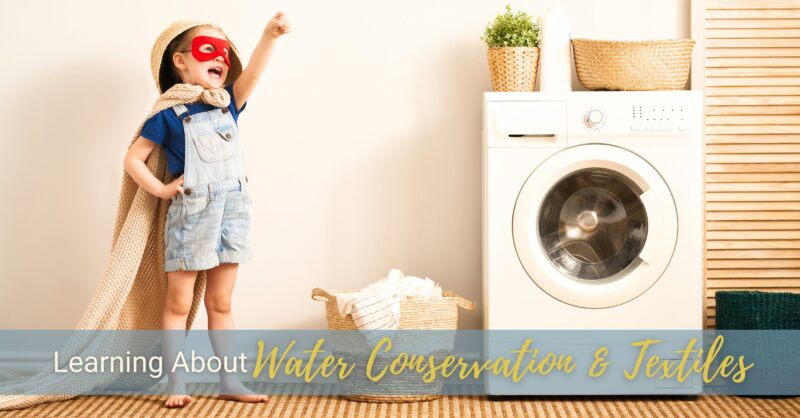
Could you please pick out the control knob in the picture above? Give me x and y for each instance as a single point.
(594, 118)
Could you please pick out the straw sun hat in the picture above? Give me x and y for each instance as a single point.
(161, 65)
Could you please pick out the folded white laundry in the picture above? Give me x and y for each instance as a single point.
(377, 306)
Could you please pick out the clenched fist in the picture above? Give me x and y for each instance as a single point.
(277, 26)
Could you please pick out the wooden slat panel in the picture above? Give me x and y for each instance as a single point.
(752, 24)
(722, 173)
(753, 62)
(752, 100)
(753, 197)
(751, 178)
(752, 4)
(752, 235)
(753, 90)
(751, 77)
(753, 72)
(753, 187)
(752, 158)
(751, 206)
(750, 283)
(751, 52)
(753, 148)
(751, 33)
(753, 245)
(789, 263)
(752, 14)
(752, 225)
(754, 119)
(711, 292)
(753, 139)
(790, 215)
(751, 81)
(753, 129)
(752, 254)
(752, 110)
(754, 168)
(753, 274)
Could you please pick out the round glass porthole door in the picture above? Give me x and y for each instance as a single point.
(594, 226)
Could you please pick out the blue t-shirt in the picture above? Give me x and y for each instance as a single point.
(165, 129)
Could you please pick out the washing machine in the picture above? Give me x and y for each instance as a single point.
(592, 211)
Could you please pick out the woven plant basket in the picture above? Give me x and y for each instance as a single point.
(632, 65)
(513, 69)
(415, 314)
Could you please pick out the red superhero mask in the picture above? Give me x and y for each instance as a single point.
(207, 48)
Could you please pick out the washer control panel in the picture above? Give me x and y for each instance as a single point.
(655, 118)
(534, 119)
(632, 117)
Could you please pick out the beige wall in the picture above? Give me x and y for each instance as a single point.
(362, 141)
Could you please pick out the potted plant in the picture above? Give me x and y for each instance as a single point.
(513, 41)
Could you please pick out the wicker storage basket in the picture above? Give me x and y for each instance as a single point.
(415, 314)
(632, 65)
(513, 69)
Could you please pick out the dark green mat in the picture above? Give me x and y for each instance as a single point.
(773, 353)
(741, 309)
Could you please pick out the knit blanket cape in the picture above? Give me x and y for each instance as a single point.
(131, 293)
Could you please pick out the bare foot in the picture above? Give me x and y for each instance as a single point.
(177, 401)
(238, 392)
(177, 397)
(251, 398)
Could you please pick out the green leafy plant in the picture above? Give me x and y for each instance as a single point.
(512, 30)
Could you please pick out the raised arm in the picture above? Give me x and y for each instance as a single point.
(244, 85)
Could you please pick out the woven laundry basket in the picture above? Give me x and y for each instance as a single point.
(513, 68)
(632, 65)
(415, 314)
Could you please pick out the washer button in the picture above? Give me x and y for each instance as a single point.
(187, 192)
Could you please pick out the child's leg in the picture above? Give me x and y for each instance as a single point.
(178, 302)
(219, 289)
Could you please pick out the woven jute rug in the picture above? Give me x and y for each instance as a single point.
(295, 406)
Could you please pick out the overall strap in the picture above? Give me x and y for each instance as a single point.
(180, 110)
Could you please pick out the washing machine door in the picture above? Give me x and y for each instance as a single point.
(595, 226)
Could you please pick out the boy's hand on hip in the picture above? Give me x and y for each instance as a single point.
(171, 189)
(277, 26)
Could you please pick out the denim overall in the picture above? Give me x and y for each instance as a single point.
(209, 223)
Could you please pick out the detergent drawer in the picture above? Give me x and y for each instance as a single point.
(525, 124)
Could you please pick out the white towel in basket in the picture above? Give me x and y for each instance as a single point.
(377, 306)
